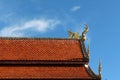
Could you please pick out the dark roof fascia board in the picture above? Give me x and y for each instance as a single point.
(40, 63)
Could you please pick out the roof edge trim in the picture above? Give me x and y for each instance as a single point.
(84, 52)
(15, 38)
(91, 73)
(40, 62)
(68, 78)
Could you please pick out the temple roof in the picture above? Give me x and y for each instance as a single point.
(40, 49)
(44, 58)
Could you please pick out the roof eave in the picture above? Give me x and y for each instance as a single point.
(91, 73)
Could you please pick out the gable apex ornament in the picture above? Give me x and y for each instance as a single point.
(76, 35)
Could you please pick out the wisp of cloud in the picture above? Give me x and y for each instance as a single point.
(75, 8)
(39, 25)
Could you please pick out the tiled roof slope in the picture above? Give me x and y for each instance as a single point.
(40, 49)
(43, 72)
(44, 59)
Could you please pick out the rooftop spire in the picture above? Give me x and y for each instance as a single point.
(99, 68)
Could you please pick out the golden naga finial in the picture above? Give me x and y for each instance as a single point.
(77, 35)
(71, 34)
(84, 33)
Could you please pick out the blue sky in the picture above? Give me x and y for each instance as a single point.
(53, 18)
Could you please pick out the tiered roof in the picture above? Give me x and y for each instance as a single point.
(44, 58)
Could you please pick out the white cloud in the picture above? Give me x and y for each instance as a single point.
(39, 25)
(75, 8)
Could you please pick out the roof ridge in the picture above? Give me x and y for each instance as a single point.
(37, 38)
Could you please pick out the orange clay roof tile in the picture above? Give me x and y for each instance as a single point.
(43, 72)
(40, 49)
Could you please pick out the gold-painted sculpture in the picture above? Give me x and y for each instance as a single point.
(84, 33)
(77, 35)
(74, 35)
